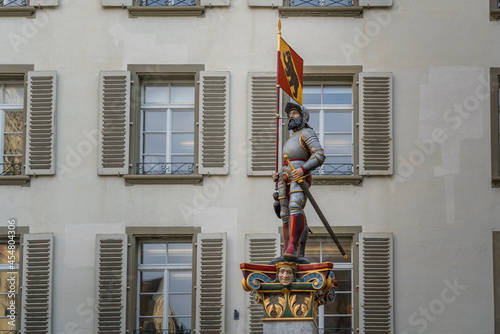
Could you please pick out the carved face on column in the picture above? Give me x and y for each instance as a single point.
(285, 275)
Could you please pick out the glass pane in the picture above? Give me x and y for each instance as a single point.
(13, 121)
(4, 254)
(182, 94)
(337, 95)
(13, 144)
(341, 304)
(180, 253)
(180, 281)
(151, 305)
(149, 325)
(154, 253)
(338, 121)
(8, 281)
(344, 279)
(13, 94)
(337, 165)
(183, 143)
(156, 94)
(152, 281)
(155, 143)
(155, 165)
(339, 325)
(11, 166)
(179, 324)
(179, 305)
(183, 120)
(5, 326)
(311, 95)
(314, 120)
(182, 164)
(330, 252)
(338, 144)
(155, 120)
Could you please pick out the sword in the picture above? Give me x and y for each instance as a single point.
(318, 210)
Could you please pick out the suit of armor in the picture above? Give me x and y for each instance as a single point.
(305, 152)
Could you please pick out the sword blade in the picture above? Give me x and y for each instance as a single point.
(322, 217)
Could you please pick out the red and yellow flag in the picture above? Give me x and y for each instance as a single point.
(290, 71)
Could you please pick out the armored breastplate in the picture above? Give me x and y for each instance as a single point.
(295, 147)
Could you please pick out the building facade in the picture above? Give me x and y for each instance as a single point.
(138, 142)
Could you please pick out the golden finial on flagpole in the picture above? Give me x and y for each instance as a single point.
(279, 25)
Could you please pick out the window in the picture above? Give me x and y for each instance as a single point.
(167, 128)
(164, 294)
(494, 10)
(168, 2)
(162, 266)
(13, 3)
(164, 128)
(9, 286)
(323, 3)
(24, 7)
(495, 128)
(11, 127)
(331, 116)
(336, 317)
(138, 8)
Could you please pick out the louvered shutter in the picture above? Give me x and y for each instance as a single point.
(111, 283)
(37, 284)
(375, 3)
(265, 3)
(375, 128)
(261, 248)
(40, 123)
(210, 283)
(375, 292)
(44, 3)
(213, 146)
(114, 123)
(116, 3)
(210, 3)
(261, 123)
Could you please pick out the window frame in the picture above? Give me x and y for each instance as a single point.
(494, 10)
(353, 233)
(18, 73)
(136, 236)
(152, 74)
(341, 75)
(494, 124)
(20, 232)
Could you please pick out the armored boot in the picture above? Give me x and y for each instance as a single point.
(297, 225)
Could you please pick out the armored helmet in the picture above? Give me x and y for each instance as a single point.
(301, 109)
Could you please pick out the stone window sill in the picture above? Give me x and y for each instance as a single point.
(494, 14)
(162, 179)
(355, 11)
(337, 180)
(15, 180)
(144, 11)
(495, 181)
(25, 11)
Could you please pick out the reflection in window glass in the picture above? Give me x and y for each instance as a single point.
(11, 127)
(165, 287)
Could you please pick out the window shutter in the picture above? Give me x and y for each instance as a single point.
(265, 3)
(114, 122)
(111, 283)
(375, 128)
(37, 283)
(44, 3)
(40, 123)
(375, 3)
(210, 3)
(116, 3)
(213, 146)
(210, 283)
(262, 124)
(261, 248)
(375, 293)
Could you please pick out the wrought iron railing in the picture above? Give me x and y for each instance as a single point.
(321, 3)
(334, 169)
(168, 2)
(335, 331)
(162, 168)
(162, 331)
(12, 3)
(10, 169)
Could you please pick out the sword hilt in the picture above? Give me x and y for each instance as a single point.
(300, 180)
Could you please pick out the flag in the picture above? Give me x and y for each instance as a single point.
(290, 71)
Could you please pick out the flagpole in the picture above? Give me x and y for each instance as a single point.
(278, 101)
